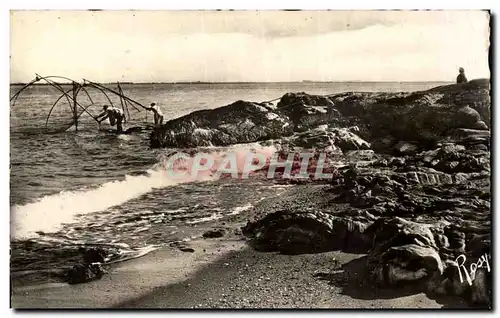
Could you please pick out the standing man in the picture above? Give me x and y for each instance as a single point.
(461, 77)
(158, 115)
(115, 115)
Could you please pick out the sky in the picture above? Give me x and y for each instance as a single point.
(247, 46)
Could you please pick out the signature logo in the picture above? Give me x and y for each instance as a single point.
(481, 263)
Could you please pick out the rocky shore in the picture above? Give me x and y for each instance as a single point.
(414, 193)
(383, 119)
(409, 197)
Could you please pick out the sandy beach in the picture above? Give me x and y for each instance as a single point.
(225, 273)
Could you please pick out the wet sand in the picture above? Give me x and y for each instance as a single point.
(226, 273)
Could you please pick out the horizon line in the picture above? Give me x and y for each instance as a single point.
(244, 82)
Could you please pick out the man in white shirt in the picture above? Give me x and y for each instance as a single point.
(158, 115)
(115, 115)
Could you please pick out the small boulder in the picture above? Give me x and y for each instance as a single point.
(182, 246)
(83, 273)
(406, 264)
(94, 255)
(186, 249)
(308, 232)
(214, 233)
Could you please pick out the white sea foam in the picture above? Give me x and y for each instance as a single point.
(48, 214)
(213, 216)
(240, 209)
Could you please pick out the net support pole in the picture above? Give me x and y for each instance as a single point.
(123, 101)
(75, 107)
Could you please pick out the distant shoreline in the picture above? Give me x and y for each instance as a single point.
(218, 83)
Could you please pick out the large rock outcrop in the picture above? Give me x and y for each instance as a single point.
(308, 232)
(413, 194)
(240, 122)
(422, 119)
(417, 217)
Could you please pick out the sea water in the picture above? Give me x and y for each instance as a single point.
(72, 188)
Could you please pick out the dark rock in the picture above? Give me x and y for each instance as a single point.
(214, 233)
(361, 155)
(90, 267)
(412, 219)
(240, 122)
(469, 137)
(94, 255)
(481, 289)
(455, 158)
(405, 265)
(404, 252)
(426, 117)
(478, 147)
(182, 246)
(326, 138)
(470, 118)
(447, 283)
(456, 239)
(306, 111)
(83, 273)
(307, 232)
(479, 245)
(413, 214)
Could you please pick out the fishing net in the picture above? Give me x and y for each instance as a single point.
(30, 110)
(50, 107)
